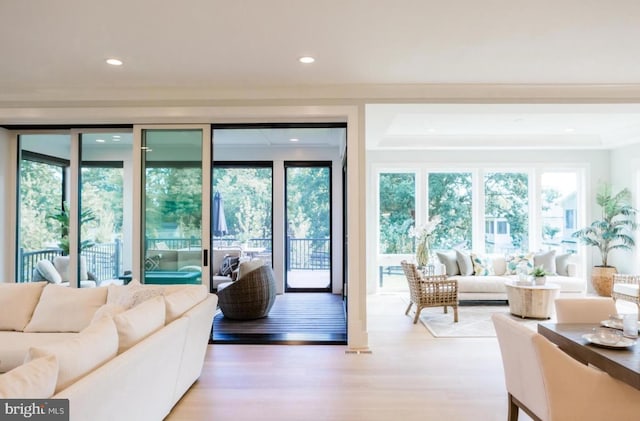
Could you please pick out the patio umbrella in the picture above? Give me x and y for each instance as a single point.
(219, 222)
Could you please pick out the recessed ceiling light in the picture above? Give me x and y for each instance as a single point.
(114, 62)
(569, 130)
(100, 140)
(116, 138)
(306, 59)
(293, 139)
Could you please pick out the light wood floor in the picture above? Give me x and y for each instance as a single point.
(408, 376)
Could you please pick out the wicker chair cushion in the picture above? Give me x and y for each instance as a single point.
(627, 289)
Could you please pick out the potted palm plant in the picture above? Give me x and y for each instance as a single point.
(613, 231)
(63, 218)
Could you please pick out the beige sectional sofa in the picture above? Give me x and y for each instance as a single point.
(116, 352)
(482, 283)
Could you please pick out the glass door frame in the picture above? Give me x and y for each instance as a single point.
(138, 190)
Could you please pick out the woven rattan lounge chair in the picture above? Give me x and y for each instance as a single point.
(430, 291)
(249, 297)
(627, 288)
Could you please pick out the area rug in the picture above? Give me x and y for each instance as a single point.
(473, 321)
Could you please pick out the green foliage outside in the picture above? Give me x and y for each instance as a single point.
(507, 196)
(450, 196)
(397, 212)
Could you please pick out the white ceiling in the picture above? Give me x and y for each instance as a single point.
(199, 51)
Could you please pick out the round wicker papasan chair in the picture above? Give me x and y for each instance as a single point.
(251, 296)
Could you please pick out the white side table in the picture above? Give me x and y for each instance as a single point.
(531, 301)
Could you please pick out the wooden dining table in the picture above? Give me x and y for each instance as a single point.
(621, 363)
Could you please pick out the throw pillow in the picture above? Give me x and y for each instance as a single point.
(482, 265)
(152, 262)
(33, 380)
(229, 264)
(547, 260)
(464, 263)
(132, 294)
(562, 264)
(64, 309)
(139, 322)
(107, 310)
(17, 303)
(46, 269)
(524, 260)
(249, 266)
(179, 302)
(450, 262)
(80, 355)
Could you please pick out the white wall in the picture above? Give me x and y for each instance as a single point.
(625, 172)
(595, 163)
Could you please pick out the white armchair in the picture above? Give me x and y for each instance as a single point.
(550, 385)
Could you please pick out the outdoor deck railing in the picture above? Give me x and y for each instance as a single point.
(104, 260)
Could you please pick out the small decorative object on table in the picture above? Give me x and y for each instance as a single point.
(539, 275)
(422, 235)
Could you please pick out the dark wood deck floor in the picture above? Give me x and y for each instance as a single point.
(296, 318)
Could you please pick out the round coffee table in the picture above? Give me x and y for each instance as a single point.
(531, 301)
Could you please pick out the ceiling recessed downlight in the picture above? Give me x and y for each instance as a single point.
(114, 62)
(294, 139)
(306, 59)
(100, 140)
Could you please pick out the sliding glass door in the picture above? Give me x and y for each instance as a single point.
(175, 239)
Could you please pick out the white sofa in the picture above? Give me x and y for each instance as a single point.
(488, 287)
(120, 352)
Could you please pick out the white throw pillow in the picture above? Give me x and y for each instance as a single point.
(139, 322)
(246, 267)
(132, 294)
(17, 303)
(184, 299)
(48, 271)
(64, 309)
(82, 354)
(34, 380)
(107, 310)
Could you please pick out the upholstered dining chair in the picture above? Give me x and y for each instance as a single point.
(432, 291)
(584, 310)
(549, 385)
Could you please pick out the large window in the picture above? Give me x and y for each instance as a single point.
(506, 206)
(450, 196)
(397, 212)
(559, 213)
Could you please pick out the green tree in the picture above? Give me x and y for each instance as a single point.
(450, 196)
(507, 196)
(397, 212)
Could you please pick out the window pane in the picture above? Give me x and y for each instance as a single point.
(559, 214)
(246, 193)
(450, 196)
(507, 204)
(42, 185)
(397, 212)
(173, 206)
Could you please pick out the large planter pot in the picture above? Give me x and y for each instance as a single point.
(602, 279)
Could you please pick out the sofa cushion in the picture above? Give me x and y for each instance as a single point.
(34, 380)
(132, 294)
(17, 303)
(64, 309)
(46, 269)
(450, 262)
(482, 265)
(249, 266)
(464, 263)
(562, 264)
(524, 260)
(61, 263)
(179, 302)
(80, 355)
(139, 322)
(16, 344)
(107, 310)
(547, 260)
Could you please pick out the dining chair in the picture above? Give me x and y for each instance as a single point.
(627, 288)
(584, 309)
(549, 385)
